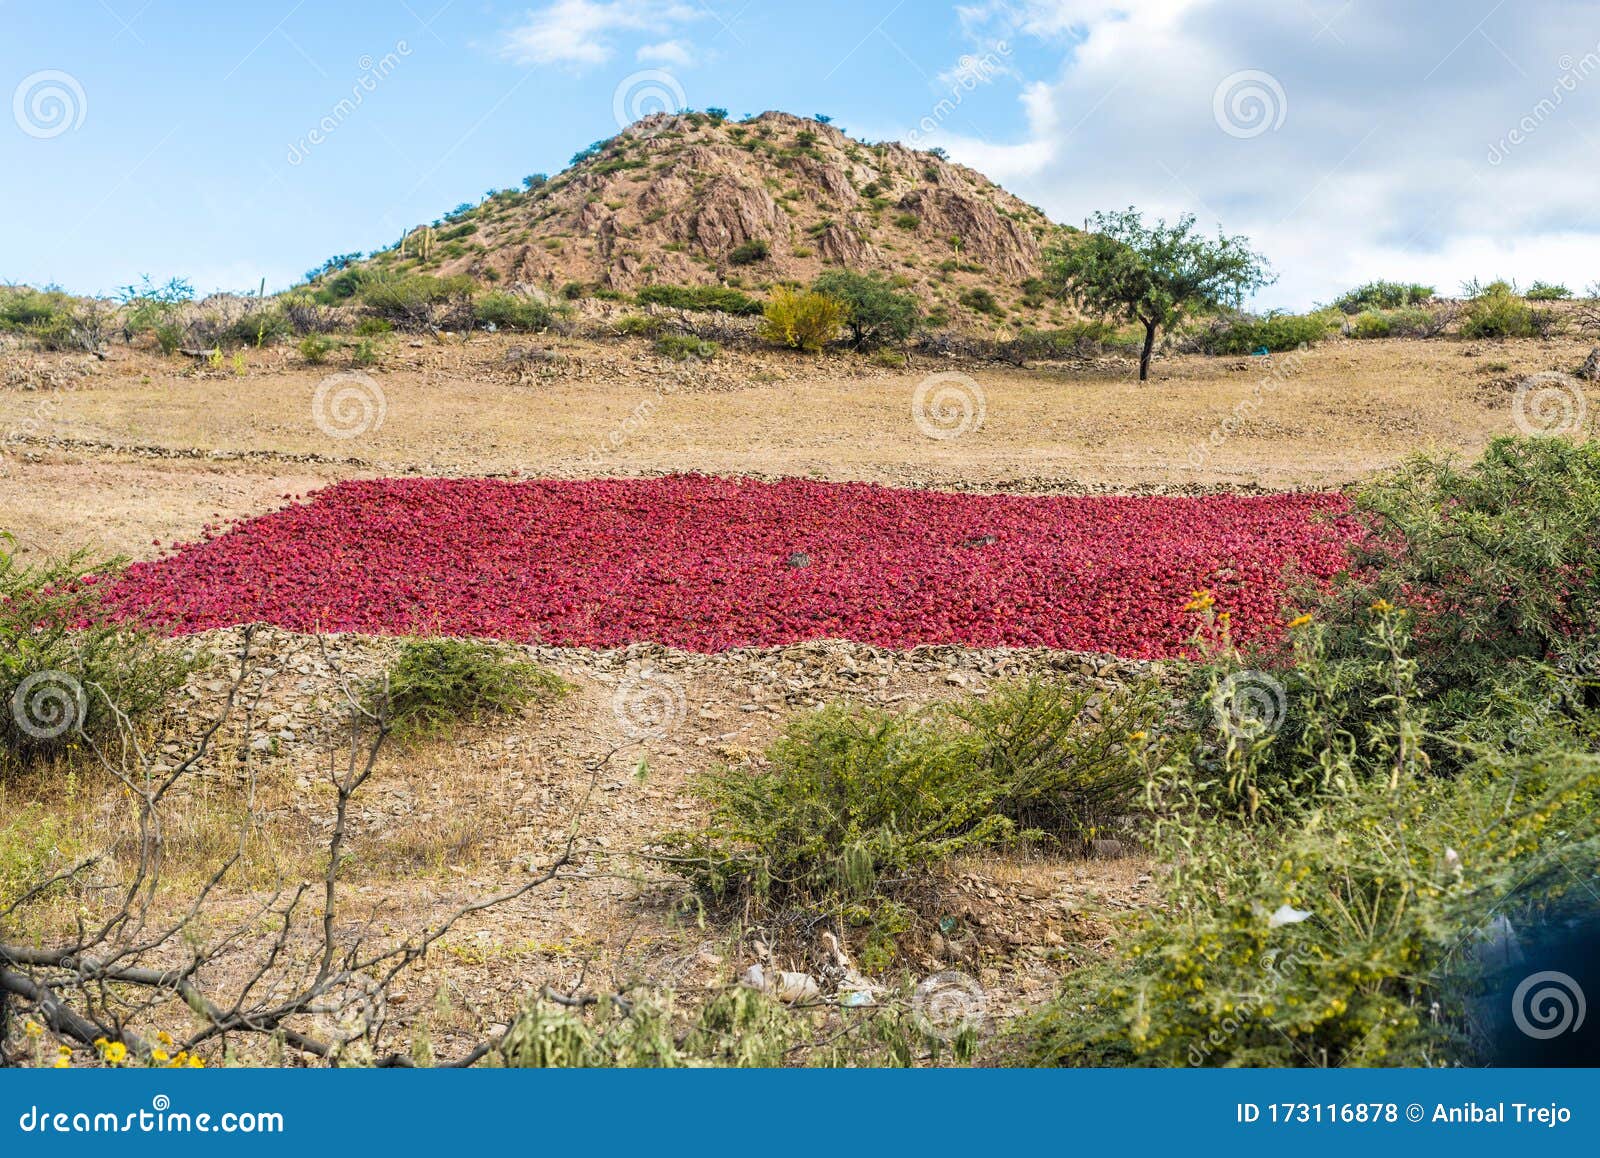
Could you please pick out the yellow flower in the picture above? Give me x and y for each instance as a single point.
(1299, 621)
(32, 1029)
(195, 1063)
(159, 1055)
(63, 1063)
(65, 1051)
(1135, 735)
(1383, 607)
(164, 1037)
(1201, 600)
(116, 1053)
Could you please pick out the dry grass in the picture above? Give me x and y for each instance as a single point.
(1346, 409)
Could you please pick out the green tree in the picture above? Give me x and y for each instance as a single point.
(877, 311)
(1154, 275)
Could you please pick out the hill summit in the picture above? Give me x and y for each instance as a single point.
(696, 199)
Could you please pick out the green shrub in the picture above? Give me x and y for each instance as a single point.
(35, 845)
(846, 800)
(1404, 323)
(257, 327)
(1541, 291)
(1273, 331)
(681, 347)
(1057, 758)
(850, 810)
(507, 311)
(22, 308)
(315, 348)
(877, 312)
(802, 320)
(981, 301)
(1496, 311)
(66, 670)
(342, 286)
(365, 352)
(82, 325)
(410, 298)
(1382, 295)
(434, 684)
(907, 221)
(698, 297)
(639, 325)
(1496, 555)
(1074, 338)
(750, 252)
(1337, 927)
(149, 308)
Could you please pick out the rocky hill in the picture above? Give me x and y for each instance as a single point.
(692, 199)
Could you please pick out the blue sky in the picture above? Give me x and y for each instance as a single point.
(1349, 140)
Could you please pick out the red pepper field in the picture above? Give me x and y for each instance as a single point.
(709, 563)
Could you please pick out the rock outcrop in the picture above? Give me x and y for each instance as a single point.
(688, 199)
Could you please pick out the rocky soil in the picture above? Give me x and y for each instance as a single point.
(445, 822)
(672, 198)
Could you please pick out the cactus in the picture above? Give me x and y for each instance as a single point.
(423, 237)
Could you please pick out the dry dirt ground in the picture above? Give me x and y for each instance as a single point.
(119, 453)
(114, 454)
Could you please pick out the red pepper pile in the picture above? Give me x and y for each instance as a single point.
(708, 563)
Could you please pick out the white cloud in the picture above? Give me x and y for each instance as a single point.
(1394, 157)
(676, 52)
(582, 32)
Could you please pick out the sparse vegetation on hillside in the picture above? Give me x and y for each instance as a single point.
(699, 297)
(1498, 311)
(1271, 332)
(1382, 295)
